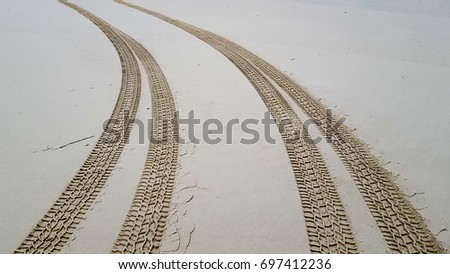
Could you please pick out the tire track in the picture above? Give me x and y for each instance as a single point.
(328, 227)
(54, 230)
(402, 227)
(145, 223)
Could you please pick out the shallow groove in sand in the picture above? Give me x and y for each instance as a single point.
(54, 230)
(402, 227)
(328, 227)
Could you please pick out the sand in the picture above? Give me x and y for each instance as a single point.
(383, 67)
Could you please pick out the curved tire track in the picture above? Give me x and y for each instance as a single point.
(401, 225)
(328, 227)
(145, 223)
(54, 230)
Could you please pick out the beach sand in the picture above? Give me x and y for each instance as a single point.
(382, 66)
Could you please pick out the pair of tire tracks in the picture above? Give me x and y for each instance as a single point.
(328, 227)
(401, 225)
(154, 192)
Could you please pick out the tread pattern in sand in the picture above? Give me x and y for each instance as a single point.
(54, 230)
(402, 227)
(145, 223)
(328, 227)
